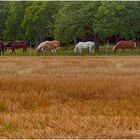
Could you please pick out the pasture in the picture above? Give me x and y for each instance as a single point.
(70, 97)
(69, 51)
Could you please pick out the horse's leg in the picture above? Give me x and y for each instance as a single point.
(0, 52)
(23, 51)
(134, 49)
(26, 50)
(55, 51)
(80, 51)
(115, 51)
(52, 51)
(124, 50)
(44, 52)
(14, 52)
(3, 51)
(90, 51)
(38, 52)
(131, 50)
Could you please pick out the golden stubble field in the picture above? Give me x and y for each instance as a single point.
(70, 97)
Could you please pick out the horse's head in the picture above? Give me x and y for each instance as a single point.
(30, 44)
(75, 50)
(39, 49)
(8, 44)
(1, 44)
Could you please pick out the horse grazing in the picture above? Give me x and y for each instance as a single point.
(1, 48)
(17, 45)
(124, 45)
(48, 45)
(85, 45)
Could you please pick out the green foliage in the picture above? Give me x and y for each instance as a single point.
(75, 20)
(39, 19)
(118, 18)
(3, 16)
(67, 21)
(14, 31)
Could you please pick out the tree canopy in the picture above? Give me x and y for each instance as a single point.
(69, 21)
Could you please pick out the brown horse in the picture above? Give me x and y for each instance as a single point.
(124, 45)
(17, 45)
(48, 45)
(52, 45)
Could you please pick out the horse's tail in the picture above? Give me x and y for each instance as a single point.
(135, 45)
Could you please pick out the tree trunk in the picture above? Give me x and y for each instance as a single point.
(97, 43)
(117, 38)
(75, 41)
(36, 43)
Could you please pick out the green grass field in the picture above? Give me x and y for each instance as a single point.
(68, 51)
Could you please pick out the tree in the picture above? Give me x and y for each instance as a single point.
(120, 19)
(13, 29)
(39, 19)
(3, 16)
(74, 21)
(69, 21)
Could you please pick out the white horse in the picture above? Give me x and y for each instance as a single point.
(41, 46)
(85, 45)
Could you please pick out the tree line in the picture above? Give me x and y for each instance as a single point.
(69, 22)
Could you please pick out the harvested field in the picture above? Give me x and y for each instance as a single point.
(70, 97)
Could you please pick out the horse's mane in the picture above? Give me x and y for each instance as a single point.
(115, 46)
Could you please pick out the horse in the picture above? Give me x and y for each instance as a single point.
(17, 45)
(41, 47)
(48, 45)
(124, 45)
(85, 45)
(1, 48)
(7, 45)
(53, 45)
